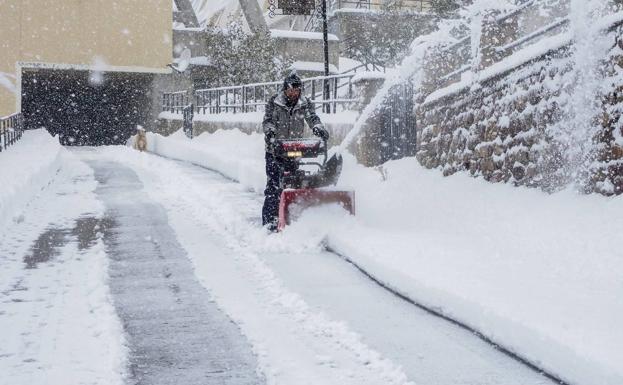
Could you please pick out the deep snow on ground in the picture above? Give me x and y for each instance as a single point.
(57, 322)
(537, 273)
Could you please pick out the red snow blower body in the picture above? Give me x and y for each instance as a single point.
(307, 171)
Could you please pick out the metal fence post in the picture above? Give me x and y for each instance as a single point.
(244, 99)
(334, 95)
(350, 87)
(226, 101)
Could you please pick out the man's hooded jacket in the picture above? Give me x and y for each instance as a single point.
(284, 120)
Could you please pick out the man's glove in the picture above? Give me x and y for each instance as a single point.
(269, 137)
(320, 131)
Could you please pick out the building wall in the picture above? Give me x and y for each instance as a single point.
(9, 55)
(123, 35)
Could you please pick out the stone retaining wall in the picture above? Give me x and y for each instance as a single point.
(500, 130)
(525, 124)
(513, 127)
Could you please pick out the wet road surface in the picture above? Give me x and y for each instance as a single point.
(176, 334)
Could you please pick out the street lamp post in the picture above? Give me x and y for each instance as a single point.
(325, 37)
(302, 7)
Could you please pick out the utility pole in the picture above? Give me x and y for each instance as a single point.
(326, 107)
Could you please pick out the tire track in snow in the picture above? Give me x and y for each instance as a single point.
(502, 349)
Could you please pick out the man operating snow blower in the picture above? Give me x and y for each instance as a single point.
(286, 150)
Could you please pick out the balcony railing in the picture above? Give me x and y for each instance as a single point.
(11, 129)
(406, 5)
(175, 101)
(253, 97)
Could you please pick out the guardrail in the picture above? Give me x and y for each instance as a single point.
(253, 97)
(175, 101)
(11, 129)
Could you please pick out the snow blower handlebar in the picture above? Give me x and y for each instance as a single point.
(296, 149)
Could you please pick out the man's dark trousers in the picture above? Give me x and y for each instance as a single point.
(272, 193)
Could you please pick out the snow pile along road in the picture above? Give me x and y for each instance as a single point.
(57, 321)
(27, 167)
(536, 273)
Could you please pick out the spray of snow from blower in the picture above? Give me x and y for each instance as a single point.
(412, 67)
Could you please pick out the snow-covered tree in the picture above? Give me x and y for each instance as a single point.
(239, 57)
(384, 38)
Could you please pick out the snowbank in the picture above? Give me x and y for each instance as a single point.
(536, 273)
(215, 151)
(27, 167)
(58, 323)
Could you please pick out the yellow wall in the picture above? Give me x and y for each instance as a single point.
(120, 35)
(9, 53)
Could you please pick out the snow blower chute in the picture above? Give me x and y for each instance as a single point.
(307, 171)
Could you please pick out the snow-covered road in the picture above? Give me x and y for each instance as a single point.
(311, 317)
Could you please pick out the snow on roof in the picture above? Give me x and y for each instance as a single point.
(196, 60)
(182, 27)
(312, 66)
(280, 33)
(207, 9)
(368, 75)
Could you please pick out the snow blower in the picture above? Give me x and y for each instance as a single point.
(307, 171)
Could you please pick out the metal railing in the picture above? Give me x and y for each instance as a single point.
(314, 22)
(175, 101)
(408, 5)
(253, 97)
(557, 24)
(365, 67)
(188, 114)
(11, 129)
(457, 58)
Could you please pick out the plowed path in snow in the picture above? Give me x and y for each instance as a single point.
(175, 332)
(311, 317)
